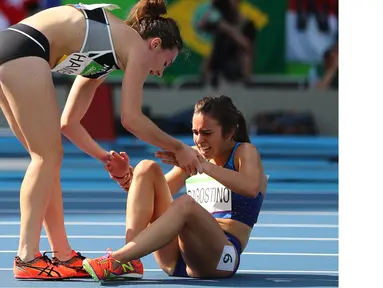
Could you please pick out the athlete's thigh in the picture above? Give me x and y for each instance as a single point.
(10, 119)
(28, 87)
(202, 242)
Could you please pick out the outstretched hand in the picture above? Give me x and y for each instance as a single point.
(119, 169)
(118, 164)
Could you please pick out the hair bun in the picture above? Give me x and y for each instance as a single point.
(154, 8)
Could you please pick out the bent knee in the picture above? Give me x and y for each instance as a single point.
(146, 168)
(185, 204)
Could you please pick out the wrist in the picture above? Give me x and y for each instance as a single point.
(127, 175)
(178, 146)
(104, 157)
(124, 181)
(206, 166)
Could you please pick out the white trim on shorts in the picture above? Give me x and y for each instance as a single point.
(29, 36)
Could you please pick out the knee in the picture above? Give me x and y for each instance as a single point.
(185, 205)
(147, 168)
(167, 269)
(51, 157)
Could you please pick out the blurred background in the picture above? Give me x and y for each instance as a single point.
(277, 60)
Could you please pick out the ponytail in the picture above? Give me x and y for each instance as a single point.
(241, 134)
(146, 9)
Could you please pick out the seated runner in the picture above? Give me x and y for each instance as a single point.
(202, 233)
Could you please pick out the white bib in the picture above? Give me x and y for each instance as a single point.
(209, 193)
(82, 63)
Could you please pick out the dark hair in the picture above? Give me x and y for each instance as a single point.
(145, 17)
(228, 116)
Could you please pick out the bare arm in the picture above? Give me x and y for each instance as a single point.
(248, 180)
(78, 102)
(176, 179)
(132, 117)
(120, 171)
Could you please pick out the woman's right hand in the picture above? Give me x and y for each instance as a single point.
(187, 160)
(119, 169)
(118, 164)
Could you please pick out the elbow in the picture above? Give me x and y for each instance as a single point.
(65, 126)
(253, 189)
(130, 122)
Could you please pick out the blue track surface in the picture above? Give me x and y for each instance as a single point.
(294, 244)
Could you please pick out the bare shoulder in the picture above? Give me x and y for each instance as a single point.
(128, 43)
(247, 153)
(247, 158)
(53, 17)
(247, 150)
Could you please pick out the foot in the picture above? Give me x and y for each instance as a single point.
(41, 267)
(74, 263)
(107, 268)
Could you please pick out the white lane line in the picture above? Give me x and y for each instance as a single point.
(123, 237)
(114, 211)
(111, 223)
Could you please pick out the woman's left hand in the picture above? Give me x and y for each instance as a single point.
(167, 157)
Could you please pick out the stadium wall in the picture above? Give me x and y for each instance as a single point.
(165, 102)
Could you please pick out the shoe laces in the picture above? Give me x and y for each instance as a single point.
(80, 256)
(47, 260)
(105, 261)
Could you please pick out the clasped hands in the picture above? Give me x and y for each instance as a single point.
(120, 170)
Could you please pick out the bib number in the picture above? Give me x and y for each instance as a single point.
(209, 193)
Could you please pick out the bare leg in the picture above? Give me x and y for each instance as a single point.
(186, 218)
(149, 197)
(54, 218)
(43, 140)
(54, 224)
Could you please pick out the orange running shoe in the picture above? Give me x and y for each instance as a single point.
(74, 263)
(101, 268)
(40, 268)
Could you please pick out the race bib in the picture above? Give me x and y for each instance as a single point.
(210, 194)
(83, 64)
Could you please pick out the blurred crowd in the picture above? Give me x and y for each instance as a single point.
(309, 33)
(13, 11)
(235, 41)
